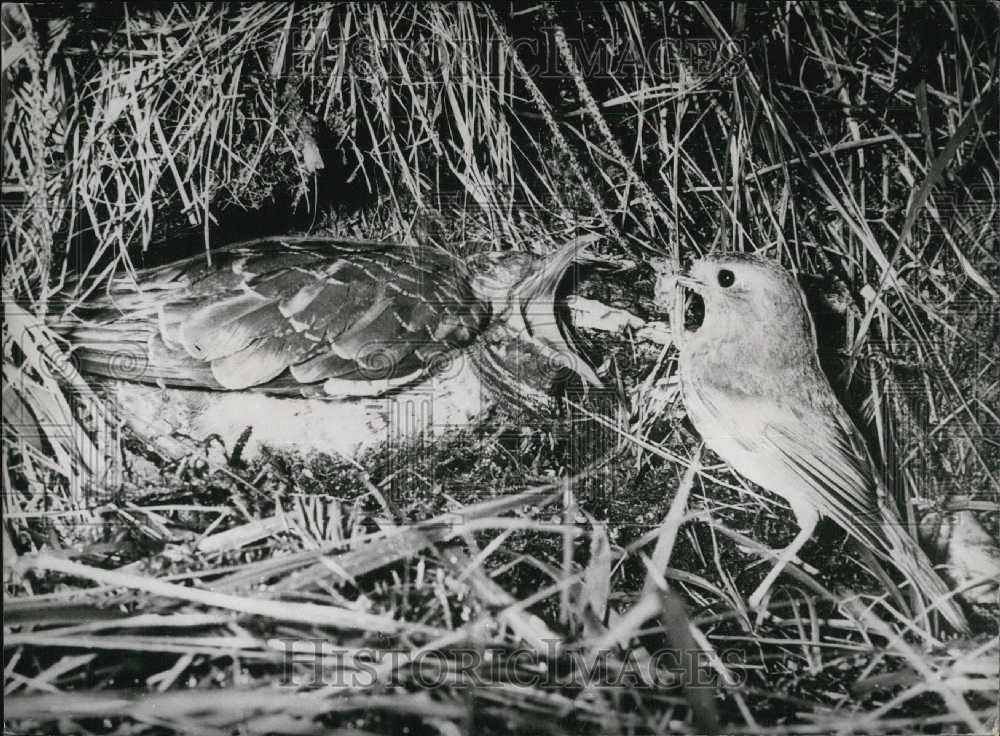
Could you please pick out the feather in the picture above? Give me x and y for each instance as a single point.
(171, 316)
(337, 308)
(259, 362)
(340, 388)
(322, 366)
(301, 299)
(279, 260)
(223, 328)
(834, 481)
(279, 314)
(373, 324)
(169, 365)
(206, 283)
(278, 285)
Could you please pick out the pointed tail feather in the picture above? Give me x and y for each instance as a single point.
(913, 562)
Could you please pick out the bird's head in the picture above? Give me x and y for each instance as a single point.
(743, 296)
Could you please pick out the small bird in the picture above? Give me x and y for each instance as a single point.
(971, 556)
(753, 388)
(326, 344)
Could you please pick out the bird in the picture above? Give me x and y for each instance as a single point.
(970, 554)
(753, 388)
(326, 344)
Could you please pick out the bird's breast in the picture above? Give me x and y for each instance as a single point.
(726, 425)
(736, 421)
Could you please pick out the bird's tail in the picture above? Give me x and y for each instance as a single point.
(109, 338)
(907, 556)
(49, 407)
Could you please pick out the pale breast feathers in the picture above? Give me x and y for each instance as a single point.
(815, 450)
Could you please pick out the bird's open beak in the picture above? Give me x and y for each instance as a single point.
(689, 283)
(666, 287)
(535, 300)
(675, 302)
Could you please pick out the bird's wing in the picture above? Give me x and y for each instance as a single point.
(813, 447)
(805, 442)
(826, 450)
(278, 314)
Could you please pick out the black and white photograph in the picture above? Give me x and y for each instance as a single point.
(501, 368)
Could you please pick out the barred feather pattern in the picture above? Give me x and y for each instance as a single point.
(281, 316)
(325, 319)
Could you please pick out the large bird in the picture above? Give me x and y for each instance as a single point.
(326, 344)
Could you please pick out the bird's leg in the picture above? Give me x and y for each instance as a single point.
(807, 517)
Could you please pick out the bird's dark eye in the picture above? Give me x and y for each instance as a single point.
(726, 278)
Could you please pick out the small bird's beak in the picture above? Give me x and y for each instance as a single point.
(667, 298)
(667, 285)
(689, 283)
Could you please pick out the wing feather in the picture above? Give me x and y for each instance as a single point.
(259, 362)
(228, 326)
(280, 313)
(322, 366)
(791, 442)
(834, 467)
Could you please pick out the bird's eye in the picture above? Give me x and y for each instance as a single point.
(726, 278)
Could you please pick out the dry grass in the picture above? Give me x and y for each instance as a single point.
(509, 580)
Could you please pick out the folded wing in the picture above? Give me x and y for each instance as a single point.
(802, 443)
(283, 315)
